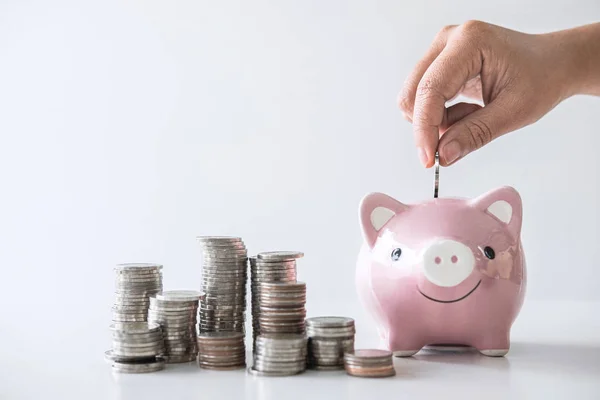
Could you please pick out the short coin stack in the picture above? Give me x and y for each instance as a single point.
(328, 339)
(369, 363)
(134, 284)
(221, 350)
(137, 347)
(176, 312)
(279, 355)
(272, 267)
(224, 276)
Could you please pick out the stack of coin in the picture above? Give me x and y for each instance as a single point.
(224, 275)
(221, 350)
(134, 284)
(328, 339)
(282, 307)
(176, 312)
(279, 355)
(369, 363)
(137, 347)
(270, 267)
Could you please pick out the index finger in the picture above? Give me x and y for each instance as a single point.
(441, 82)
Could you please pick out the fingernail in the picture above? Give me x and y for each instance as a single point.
(423, 156)
(451, 152)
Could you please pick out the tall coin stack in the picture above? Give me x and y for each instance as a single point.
(328, 339)
(221, 350)
(224, 275)
(137, 347)
(135, 282)
(176, 312)
(271, 267)
(279, 355)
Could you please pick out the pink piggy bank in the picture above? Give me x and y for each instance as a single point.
(443, 272)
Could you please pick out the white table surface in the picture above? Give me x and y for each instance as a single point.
(555, 354)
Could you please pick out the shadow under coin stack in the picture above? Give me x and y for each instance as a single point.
(279, 355)
(267, 268)
(224, 275)
(134, 284)
(369, 363)
(176, 312)
(328, 339)
(221, 350)
(137, 348)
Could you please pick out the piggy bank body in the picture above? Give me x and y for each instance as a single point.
(443, 272)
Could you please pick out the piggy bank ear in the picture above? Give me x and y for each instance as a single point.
(505, 205)
(376, 209)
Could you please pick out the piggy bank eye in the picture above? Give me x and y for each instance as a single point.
(396, 253)
(489, 252)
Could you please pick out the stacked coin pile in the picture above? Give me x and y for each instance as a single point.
(221, 350)
(224, 275)
(272, 267)
(279, 355)
(282, 307)
(328, 339)
(137, 347)
(176, 312)
(369, 363)
(134, 284)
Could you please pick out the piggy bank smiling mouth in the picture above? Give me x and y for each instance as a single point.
(450, 301)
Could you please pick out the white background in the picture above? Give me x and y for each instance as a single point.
(129, 127)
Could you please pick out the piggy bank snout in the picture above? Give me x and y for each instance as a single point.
(447, 263)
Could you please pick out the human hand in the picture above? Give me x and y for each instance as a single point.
(518, 77)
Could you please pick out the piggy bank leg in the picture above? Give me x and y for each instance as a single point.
(404, 345)
(496, 344)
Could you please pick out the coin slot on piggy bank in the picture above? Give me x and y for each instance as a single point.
(445, 271)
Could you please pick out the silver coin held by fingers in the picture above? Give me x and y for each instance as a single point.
(436, 179)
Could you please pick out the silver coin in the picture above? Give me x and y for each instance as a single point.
(326, 367)
(222, 262)
(133, 304)
(329, 335)
(252, 371)
(226, 253)
(168, 304)
(118, 352)
(173, 359)
(138, 267)
(272, 265)
(179, 295)
(284, 340)
(224, 285)
(436, 176)
(118, 319)
(125, 308)
(218, 239)
(134, 328)
(130, 313)
(173, 311)
(225, 276)
(278, 366)
(329, 322)
(137, 368)
(137, 282)
(279, 255)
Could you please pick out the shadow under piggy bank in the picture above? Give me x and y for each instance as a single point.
(558, 357)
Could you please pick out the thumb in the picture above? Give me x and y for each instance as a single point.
(475, 131)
